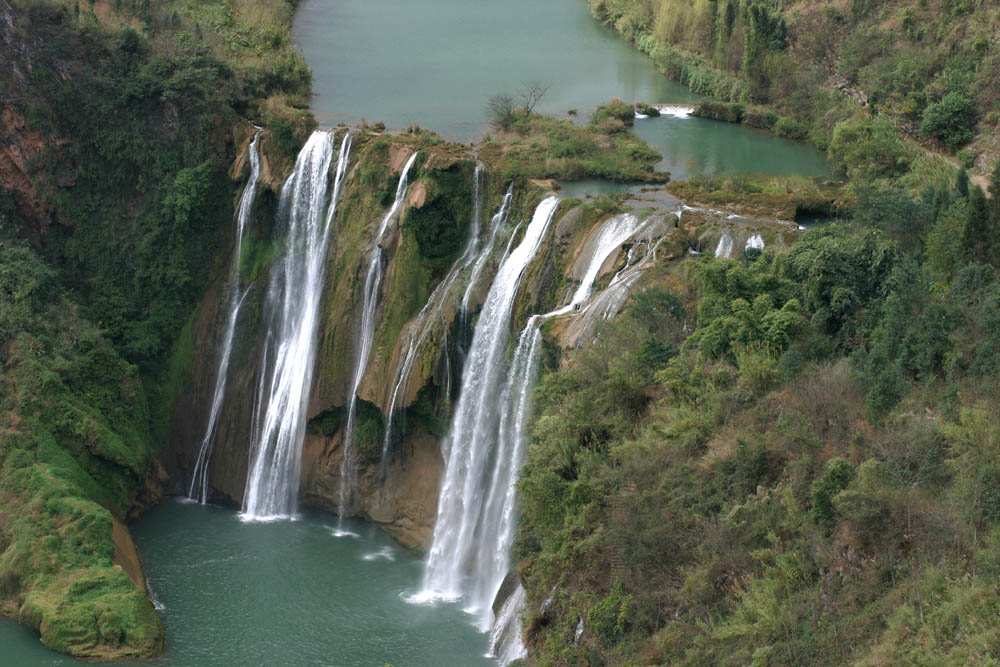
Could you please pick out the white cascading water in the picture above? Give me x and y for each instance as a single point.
(724, 249)
(366, 332)
(755, 242)
(505, 635)
(291, 313)
(234, 299)
(477, 268)
(498, 512)
(468, 448)
(427, 318)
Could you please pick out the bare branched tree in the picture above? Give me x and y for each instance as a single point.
(503, 109)
(531, 93)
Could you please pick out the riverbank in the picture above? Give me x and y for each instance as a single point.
(879, 66)
(119, 126)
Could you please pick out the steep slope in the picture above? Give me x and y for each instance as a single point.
(116, 139)
(930, 70)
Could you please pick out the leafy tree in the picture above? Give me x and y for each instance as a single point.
(979, 238)
(995, 194)
(944, 243)
(867, 149)
(837, 474)
(950, 120)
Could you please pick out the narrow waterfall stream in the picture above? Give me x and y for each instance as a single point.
(198, 489)
(429, 316)
(291, 312)
(366, 332)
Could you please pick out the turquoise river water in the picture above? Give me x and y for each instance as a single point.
(436, 63)
(284, 593)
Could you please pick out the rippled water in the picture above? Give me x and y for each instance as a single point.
(282, 593)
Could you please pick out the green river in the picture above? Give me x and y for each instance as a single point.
(290, 592)
(284, 593)
(436, 63)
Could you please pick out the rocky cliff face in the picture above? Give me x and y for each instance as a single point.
(419, 322)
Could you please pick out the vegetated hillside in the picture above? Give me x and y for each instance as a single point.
(929, 68)
(781, 459)
(119, 124)
(789, 458)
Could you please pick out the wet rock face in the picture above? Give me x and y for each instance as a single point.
(404, 503)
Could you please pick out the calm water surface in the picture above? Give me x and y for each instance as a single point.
(437, 62)
(284, 593)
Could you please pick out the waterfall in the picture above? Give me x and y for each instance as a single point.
(477, 268)
(291, 313)
(724, 249)
(477, 506)
(467, 450)
(499, 516)
(366, 332)
(199, 479)
(429, 315)
(505, 636)
(756, 242)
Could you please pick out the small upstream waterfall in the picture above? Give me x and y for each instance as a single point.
(428, 317)
(755, 242)
(724, 249)
(469, 447)
(234, 299)
(291, 313)
(477, 269)
(366, 331)
(609, 301)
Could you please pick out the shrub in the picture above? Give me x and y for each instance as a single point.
(836, 476)
(615, 109)
(284, 136)
(950, 120)
(790, 129)
(967, 158)
(869, 148)
(760, 117)
(611, 617)
(731, 112)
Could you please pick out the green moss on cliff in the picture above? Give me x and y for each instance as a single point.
(75, 430)
(441, 222)
(135, 114)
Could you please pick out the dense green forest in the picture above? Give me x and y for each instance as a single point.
(928, 70)
(129, 116)
(793, 458)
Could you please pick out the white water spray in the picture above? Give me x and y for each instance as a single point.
(756, 242)
(366, 332)
(474, 427)
(724, 249)
(199, 479)
(307, 209)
